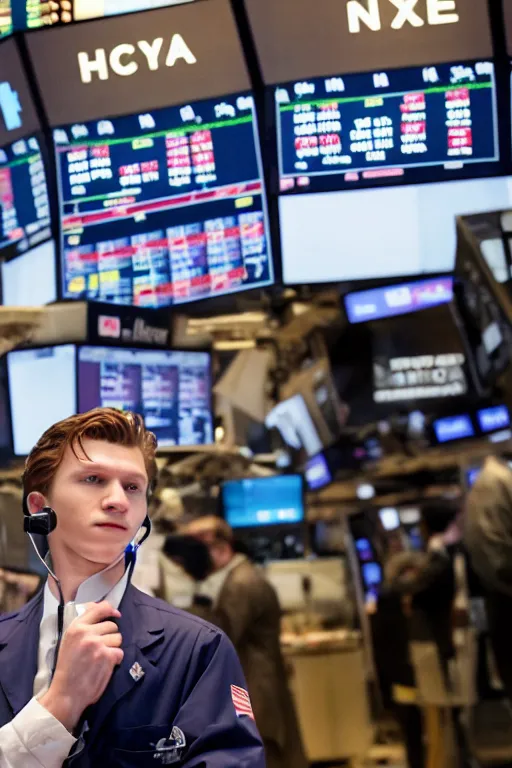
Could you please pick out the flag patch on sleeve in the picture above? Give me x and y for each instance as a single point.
(241, 702)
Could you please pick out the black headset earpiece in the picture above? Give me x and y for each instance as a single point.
(42, 523)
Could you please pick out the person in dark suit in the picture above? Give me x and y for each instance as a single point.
(92, 671)
(237, 598)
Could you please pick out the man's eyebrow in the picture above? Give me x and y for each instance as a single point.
(90, 467)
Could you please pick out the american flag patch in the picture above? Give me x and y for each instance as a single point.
(242, 702)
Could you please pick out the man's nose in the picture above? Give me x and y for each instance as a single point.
(116, 497)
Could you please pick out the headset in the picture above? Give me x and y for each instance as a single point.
(43, 524)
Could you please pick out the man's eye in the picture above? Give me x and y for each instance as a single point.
(133, 487)
(92, 479)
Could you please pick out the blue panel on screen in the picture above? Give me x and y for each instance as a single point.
(493, 419)
(263, 501)
(454, 428)
(394, 300)
(317, 473)
(372, 574)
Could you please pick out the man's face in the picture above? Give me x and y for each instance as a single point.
(100, 501)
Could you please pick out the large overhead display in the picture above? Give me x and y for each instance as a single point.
(163, 205)
(24, 206)
(32, 14)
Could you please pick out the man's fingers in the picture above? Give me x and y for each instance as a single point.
(112, 641)
(105, 628)
(97, 612)
(116, 656)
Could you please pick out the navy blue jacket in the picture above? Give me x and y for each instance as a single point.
(189, 667)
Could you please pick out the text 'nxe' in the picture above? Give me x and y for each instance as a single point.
(125, 59)
(368, 13)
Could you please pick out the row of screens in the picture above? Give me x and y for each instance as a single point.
(462, 426)
(170, 389)
(166, 206)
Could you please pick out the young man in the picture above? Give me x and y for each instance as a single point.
(136, 682)
(237, 598)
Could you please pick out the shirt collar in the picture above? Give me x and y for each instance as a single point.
(93, 590)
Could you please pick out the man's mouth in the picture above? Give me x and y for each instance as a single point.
(116, 526)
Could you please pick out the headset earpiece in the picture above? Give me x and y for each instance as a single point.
(42, 523)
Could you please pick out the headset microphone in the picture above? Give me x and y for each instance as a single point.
(42, 523)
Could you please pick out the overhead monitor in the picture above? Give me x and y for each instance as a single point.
(409, 125)
(418, 360)
(494, 418)
(380, 233)
(42, 391)
(317, 473)
(156, 209)
(170, 389)
(139, 63)
(92, 9)
(16, 15)
(263, 501)
(392, 300)
(30, 279)
(454, 428)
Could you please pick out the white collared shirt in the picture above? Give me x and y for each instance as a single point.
(34, 738)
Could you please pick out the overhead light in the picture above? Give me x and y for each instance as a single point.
(365, 491)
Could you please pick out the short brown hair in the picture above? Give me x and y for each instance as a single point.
(113, 426)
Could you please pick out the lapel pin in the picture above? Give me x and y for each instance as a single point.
(136, 672)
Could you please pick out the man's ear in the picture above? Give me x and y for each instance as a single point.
(36, 502)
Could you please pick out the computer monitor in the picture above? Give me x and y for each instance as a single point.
(401, 125)
(157, 209)
(31, 278)
(380, 233)
(170, 389)
(392, 300)
(92, 9)
(317, 473)
(453, 428)
(17, 15)
(42, 391)
(24, 202)
(263, 501)
(493, 419)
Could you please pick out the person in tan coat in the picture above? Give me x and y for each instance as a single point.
(237, 598)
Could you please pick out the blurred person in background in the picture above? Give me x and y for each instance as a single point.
(488, 540)
(234, 595)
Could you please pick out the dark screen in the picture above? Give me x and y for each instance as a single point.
(398, 125)
(158, 209)
(18, 117)
(138, 62)
(171, 390)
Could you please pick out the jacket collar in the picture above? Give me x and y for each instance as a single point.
(141, 626)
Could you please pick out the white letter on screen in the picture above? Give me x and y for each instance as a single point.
(179, 50)
(88, 66)
(405, 13)
(125, 49)
(151, 51)
(439, 12)
(357, 14)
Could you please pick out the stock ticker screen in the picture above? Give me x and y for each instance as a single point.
(164, 207)
(396, 126)
(171, 390)
(24, 205)
(31, 14)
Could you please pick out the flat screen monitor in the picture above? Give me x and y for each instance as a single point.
(380, 233)
(42, 390)
(263, 501)
(171, 390)
(494, 418)
(317, 473)
(404, 125)
(392, 300)
(18, 15)
(93, 9)
(159, 209)
(30, 279)
(25, 219)
(454, 428)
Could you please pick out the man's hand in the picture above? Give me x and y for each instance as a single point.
(90, 649)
